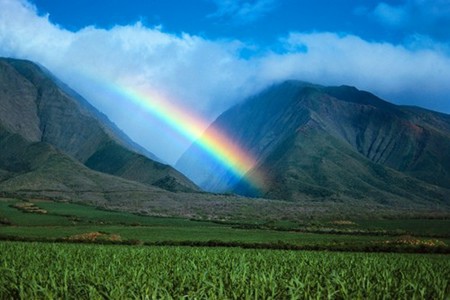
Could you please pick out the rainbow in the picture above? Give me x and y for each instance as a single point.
(189, 125)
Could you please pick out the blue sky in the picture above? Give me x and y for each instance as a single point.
(207, 55)
(261, 22)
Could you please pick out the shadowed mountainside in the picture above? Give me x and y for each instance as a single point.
(338, 143)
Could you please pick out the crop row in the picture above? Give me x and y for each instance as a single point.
(74, 271)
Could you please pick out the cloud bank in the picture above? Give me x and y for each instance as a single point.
(208, 76)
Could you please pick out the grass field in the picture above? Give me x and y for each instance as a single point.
(46, 220)
(225, 267)
(40, 270)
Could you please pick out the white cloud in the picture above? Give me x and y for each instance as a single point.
(394, 72)
(209, 76)
(189, 70)
(242, 11)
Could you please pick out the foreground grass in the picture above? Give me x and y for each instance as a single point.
(39, 270)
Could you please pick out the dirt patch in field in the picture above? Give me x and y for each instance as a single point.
(343, 222)
(410, 240)
(29, 207)
(95, 236)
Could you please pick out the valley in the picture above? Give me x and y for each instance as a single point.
(338, 182)
(224, 149)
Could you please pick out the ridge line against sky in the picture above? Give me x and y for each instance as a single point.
(210, 54)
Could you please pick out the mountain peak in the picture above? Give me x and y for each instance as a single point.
(341, 143)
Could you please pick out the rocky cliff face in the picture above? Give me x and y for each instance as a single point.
(334, 142)
(411, 140)
(37, 107)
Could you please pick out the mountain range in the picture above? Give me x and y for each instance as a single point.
(311, 144)
(52, 139)
(315, 142)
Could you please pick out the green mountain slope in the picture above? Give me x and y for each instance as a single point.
(39, 108)
(320, 143)
(316, 166)
(37, 169)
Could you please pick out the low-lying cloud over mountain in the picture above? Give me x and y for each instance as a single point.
(210, 76)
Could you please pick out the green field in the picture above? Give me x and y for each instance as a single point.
(40, 270)
(75, 222)
(224, 267)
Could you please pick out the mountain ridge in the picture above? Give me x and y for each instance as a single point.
(317, 144)
(37, 108)
(408, 145)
